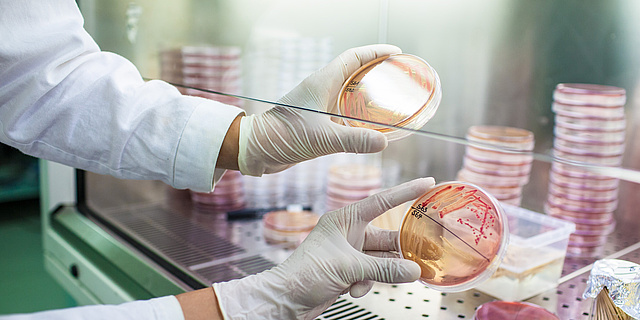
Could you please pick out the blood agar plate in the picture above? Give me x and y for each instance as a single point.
(511, 310)
(458, 235)
(399, 90)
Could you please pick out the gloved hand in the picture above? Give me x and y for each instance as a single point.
(281, 137)
(342, 252)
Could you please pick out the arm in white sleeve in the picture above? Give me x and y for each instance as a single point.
(164, 308)
(64, 100)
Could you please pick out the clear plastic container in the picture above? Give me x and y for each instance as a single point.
(399, 90)
(458, 235)
(535, 256)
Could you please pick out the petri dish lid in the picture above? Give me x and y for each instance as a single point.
(512, 310)
(399, 90)
(457, 233)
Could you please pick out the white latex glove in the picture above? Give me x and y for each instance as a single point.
(281, 137)
(342, 252)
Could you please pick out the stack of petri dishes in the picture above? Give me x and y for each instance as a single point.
(499, 160)
(306, 182)
(288, 227)
(589, 129)
(228, 195)
(277, 62)
(348, 183)
(266, 192)
(205, 67)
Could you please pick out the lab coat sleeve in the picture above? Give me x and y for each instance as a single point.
(164, 308)
(64, 100)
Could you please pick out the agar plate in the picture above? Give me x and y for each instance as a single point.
(399, 90)
(288, 227)
(458, 235)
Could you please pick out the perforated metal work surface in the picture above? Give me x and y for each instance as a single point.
(211, 249)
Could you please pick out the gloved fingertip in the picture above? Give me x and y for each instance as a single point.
(430, 181)
(407, 271)
(376, 141)
(360, 288)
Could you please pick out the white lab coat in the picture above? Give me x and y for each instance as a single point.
(62, 99)
(165, 308)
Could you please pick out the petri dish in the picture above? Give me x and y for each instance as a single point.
(590, 123)
(483, 154)
(589, 94)
(583, 194)
(512, 310)
(583, 206)
(588, 136)
(585, 252)
(457, 233)
(566, 179)
(399, 90)
(599, 148)
(492, 179)
(288, 228)
(497, 168)
(588, 111)
(500, 136)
